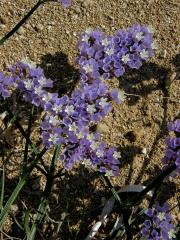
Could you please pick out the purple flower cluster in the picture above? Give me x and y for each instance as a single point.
(172, 152)
(68, 121)
(6, 82)
(65, 3)
(31, 83)
(69, 118)
(107, 56)
(159, 225)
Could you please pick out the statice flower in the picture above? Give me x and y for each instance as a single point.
(78, 144)
(90, 151)
(68, 121)
(108, 56)
(68, 118)
(65, 3)
(172, 152)
(32, 84)
(158, 225)
(6, 82)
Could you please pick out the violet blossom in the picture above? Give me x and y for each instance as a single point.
(108, 56)
(172, 152)
(65, 3)
(68, 118)
(158, 224)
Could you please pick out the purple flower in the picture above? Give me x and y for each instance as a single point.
(6, 83)
(65, 3)
(113, 55)
(174, 126)
(158, 224)
(172, 152)
(68, 118)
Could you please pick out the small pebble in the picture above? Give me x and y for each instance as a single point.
(163, 53)
(173, 76)
(21, 31)
(102, 128)
(3, 20)
(77, 10)
(144, 151)
(38, 27)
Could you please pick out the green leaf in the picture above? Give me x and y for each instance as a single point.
(10, 201)
(39, 216)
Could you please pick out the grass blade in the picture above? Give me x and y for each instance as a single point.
(44, 201)
(19, 187)
(26, 222)
(2, 188)
(10, 201)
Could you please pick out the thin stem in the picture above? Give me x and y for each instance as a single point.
(28, 136)
(2, 188)
(44, 201)
(18, 125)
(123, 211)
(19, 187)
(19, 24)
(154, 196)
(156, 181)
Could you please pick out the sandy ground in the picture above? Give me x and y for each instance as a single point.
(138, 126)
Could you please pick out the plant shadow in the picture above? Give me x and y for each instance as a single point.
(143, 81)
(64, 75)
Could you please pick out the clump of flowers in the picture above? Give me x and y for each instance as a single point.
(68, 118)
(108, 56)
(6, 82)
(172, 152)
(159, 224)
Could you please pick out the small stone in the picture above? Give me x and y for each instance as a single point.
(173, 76)
(3, 20)
(144, 151)
(86, 3)
(38, 27)
(77, 10)
(102, 128)
(163, 53)
(2, 26)
(21, 31)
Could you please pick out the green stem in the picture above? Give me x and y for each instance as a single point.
(2, 188)
(19, 187)
(44, 201)
(18, 125)
(28, 136)
(19, 24)
(138, 197)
